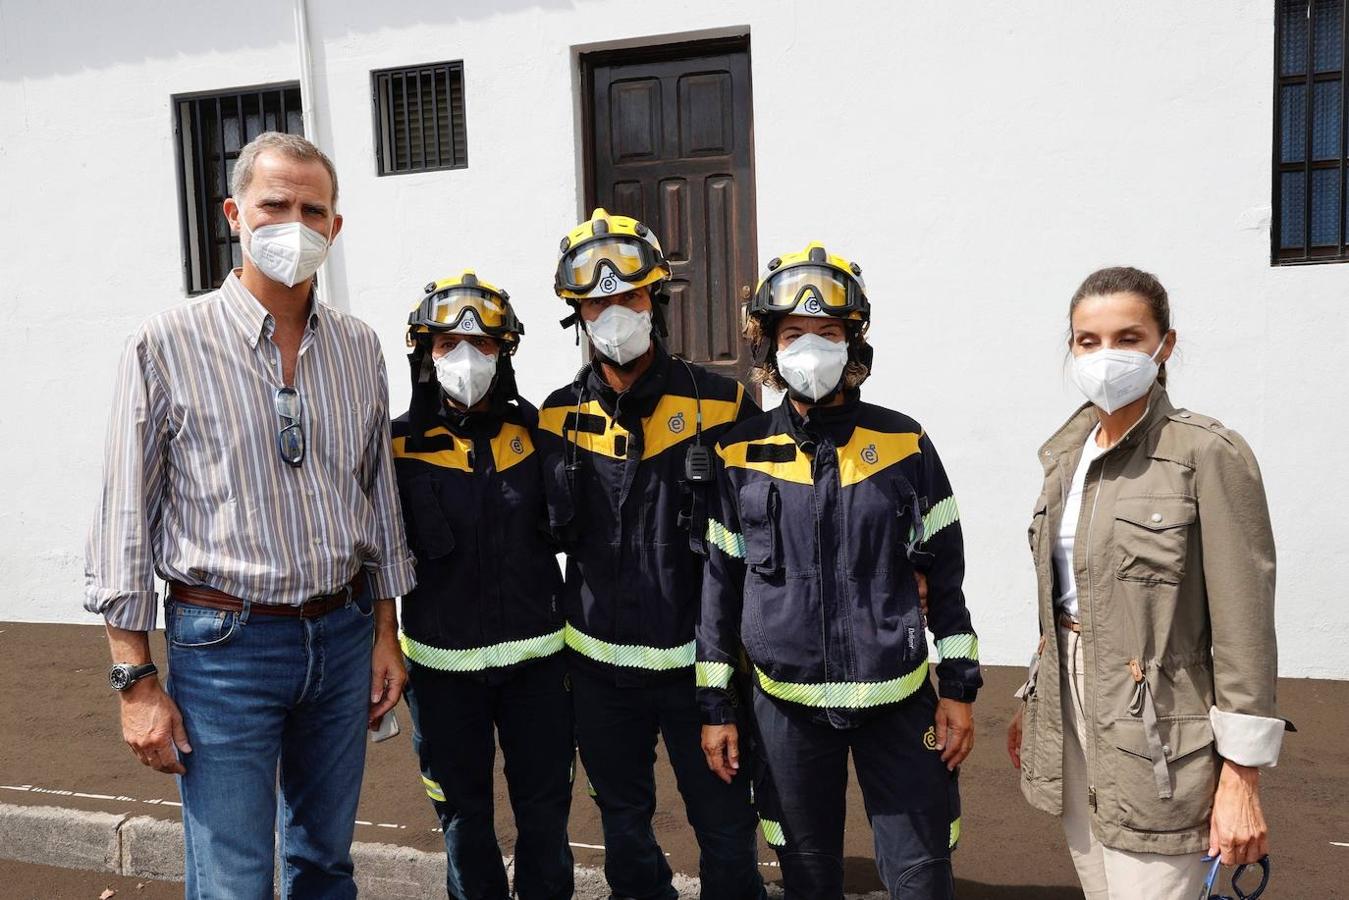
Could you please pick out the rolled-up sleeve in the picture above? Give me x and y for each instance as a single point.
(1238, 549)
(393, 574)
(119, 568)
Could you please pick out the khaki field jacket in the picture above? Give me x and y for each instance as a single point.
(1174, 565)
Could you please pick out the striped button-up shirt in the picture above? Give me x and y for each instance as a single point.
(195, 489)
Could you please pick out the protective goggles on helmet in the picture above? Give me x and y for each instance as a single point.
(607, 265)
(809, 290)
(466, 310)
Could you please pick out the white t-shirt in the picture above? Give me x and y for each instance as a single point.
(1066, 601)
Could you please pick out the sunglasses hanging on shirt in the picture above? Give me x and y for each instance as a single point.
(290, 439)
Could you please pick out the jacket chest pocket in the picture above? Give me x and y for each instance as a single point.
(429, 531)
(759, 512)
(1152, 535)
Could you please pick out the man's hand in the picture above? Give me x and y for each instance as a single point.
(1014, 737)
(922, 594)
(721, 746)
(152, 726)
(1237, 827)
(955, 731)
(388, 675)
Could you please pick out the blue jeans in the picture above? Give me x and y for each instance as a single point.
(617, 728)
(270, 701)
(456, 719)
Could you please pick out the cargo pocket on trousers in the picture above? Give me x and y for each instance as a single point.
(1191, 763)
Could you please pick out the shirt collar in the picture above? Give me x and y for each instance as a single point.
(252, 318)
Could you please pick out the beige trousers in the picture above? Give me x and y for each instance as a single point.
(1106, 873)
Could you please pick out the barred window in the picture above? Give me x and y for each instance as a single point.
(1311, 217)
(210, 130)
(419, 118)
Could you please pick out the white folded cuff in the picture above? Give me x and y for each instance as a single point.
(1246, 740)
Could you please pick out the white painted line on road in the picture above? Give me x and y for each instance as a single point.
(94, 796)
(586, 846)
(1338, 844)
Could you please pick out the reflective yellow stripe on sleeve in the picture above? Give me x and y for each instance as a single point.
(959, 646)
(712, 674)
(729, 542)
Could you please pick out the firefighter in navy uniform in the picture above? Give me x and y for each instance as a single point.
(828, 510)
(629, 470)
(483, 629)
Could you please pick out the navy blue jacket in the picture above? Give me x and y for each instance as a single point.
(820, 525)
(488, 581)
(623, 510)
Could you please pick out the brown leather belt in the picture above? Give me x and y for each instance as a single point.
(1067, 621)
(201, 595)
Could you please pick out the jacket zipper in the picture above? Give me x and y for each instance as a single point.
(1089, 695)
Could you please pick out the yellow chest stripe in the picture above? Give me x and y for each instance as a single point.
(675, 419)
(797, 470)
(869, 452)
(866, 454)
(554, 418)
(455, 457)
(512, 445)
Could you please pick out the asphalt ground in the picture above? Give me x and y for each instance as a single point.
(60, 745)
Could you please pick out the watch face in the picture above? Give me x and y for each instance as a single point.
(119, 677)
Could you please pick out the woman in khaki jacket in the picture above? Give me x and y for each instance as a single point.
(1150, 708)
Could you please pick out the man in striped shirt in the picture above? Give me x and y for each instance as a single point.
(248, 465)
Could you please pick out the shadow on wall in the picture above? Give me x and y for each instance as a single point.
(35, 42)
(859, 877)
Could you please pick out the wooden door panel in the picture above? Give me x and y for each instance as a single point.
(670, 139)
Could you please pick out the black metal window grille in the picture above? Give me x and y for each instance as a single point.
(1310, 223)
(419, 118)
(210, 130)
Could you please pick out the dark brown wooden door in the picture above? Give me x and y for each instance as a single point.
(671, 142)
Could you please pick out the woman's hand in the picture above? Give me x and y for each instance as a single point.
(1014, 737)
(721, 746)
(1237, 827)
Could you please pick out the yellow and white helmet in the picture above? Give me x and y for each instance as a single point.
(465, 304)
(812, 282)
(607, 255)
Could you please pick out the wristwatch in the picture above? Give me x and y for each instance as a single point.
(123, 675)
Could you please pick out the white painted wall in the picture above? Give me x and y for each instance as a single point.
(979, 159)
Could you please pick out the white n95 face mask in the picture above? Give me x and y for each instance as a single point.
(619, 334)
(287, 252)
(813, 365)
(466, 373)
(1112, 379)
